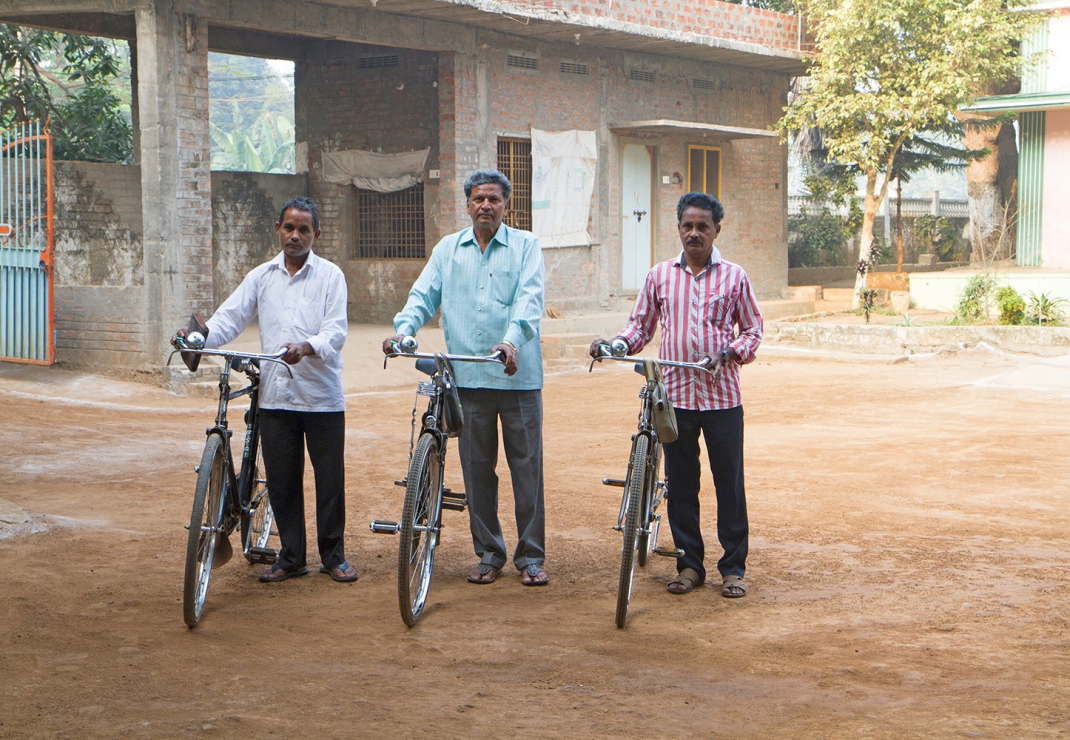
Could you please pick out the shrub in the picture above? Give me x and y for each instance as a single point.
(1044, 309)
(818, 241)
(976, 298)
(938, 236)
(1011, 306)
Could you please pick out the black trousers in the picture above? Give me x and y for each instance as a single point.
(723, 431)
(283, 435)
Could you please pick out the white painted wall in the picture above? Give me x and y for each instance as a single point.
(1055, 213)
(1058, 60)
(940, 291)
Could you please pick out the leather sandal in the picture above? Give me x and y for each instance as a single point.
(685, 582)
(484, 573)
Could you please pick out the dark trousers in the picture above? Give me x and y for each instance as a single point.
(723, 430)
(520, 413)
(283, 435)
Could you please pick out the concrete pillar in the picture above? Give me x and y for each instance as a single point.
(457, 134)
(176, 197)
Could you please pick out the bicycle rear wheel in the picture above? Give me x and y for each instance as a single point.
(256, 522)
(635, 490)
(419, 528)
(204, 528)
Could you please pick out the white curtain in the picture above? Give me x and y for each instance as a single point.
(562, 182)
(384, 173)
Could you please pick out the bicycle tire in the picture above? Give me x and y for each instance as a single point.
(636, 487)
(423, 508)
(205, 518)
(646, 519)
(258, 518)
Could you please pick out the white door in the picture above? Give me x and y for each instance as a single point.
(636, 217)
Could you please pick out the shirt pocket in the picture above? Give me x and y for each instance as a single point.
(503, 285)
(309, 317)
(717, 309)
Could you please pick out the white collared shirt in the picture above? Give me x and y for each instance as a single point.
(308, 307)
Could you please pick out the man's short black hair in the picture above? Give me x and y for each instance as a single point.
(302, 203)
(488, 177)
(704, 201)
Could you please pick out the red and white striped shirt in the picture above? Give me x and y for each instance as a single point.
(699, 314)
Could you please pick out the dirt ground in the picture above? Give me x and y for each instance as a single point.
(909, 572)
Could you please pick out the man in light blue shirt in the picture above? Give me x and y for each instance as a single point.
(488, 281)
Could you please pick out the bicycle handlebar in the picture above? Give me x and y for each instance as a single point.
(703, 365)
(404, 346)
(182, 346)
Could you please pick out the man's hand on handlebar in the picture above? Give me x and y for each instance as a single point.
(597, 345)
(509, 355)
(180, 334)
(295, 351)
(390, 344)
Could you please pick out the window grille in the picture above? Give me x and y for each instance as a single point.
(521, 62)
(378, 62)
(701, 84)
(390, 225)
(575, 68)
(704, 170)
(641, 75)
(514, 160)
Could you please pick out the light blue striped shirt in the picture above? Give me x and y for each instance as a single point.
(486, 297)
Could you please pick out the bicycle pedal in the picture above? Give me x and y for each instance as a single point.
(262, 555)
(613, 482)
(401, 483)
(380, 526)
(669, 552)
(454, 500)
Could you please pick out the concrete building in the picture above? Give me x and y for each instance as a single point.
(1043, 107)
(665, 96)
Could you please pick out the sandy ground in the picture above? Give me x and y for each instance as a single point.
(909, 568)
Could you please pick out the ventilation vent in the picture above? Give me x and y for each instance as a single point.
(575, 68)
(641, 75)
(379, 62)
(700, 84)
(520, 62)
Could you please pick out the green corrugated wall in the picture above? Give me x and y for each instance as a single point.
(1030, 187)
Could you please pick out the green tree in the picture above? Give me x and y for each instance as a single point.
(886, 70)
(251, 111)
(70, 79)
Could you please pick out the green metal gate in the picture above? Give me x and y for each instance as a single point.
(27, 324)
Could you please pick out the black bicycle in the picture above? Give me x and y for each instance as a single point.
(222, 500)
(425, 495)
(644, 491)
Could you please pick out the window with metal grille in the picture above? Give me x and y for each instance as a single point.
(378, 62)
(521, 62)
(514, 160)
(390, 225)
(700, 84)
(575, 68)
(641, 75)
(704, 170)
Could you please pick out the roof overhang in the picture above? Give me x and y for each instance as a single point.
(711, 131)
(1019, 102)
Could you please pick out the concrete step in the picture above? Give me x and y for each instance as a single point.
(839, 294)
(778, 309)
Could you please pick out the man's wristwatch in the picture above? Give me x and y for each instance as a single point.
(724, 357)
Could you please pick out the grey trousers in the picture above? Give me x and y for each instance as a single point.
(520, 413)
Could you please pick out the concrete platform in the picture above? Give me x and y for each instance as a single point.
(941, 291)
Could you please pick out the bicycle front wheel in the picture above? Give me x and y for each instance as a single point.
(419, 528)
(204, 529)
(257, 520)
(636, 487)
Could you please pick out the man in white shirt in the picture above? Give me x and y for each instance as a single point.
(301, 301)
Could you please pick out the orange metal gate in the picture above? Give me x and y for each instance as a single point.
(27, 323)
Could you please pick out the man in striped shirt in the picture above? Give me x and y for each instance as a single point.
(700, 300)
(488, 281)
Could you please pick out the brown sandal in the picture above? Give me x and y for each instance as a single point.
(733, 587)
(484, 573)
(685, 581)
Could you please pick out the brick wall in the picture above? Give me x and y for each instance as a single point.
(702, 17)
(245, 207)
(340, 106)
